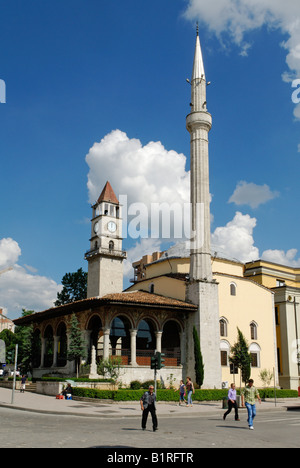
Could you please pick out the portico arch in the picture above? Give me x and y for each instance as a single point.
(62, 345)
(120, 338)
(49, 346)
(95, 330)
(145, 342)
(171, 344)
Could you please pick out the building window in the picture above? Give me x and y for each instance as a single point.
(111, 246)
(253, 331)
(223, 327)
(233, 289)
(151, 288)
(280, 283)
(224, 358)
(254, 351)
(225, 351)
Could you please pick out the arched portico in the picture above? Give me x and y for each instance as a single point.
(171, 343)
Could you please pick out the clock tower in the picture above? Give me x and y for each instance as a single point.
(105, 257)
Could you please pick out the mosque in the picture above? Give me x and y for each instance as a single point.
(174, 291)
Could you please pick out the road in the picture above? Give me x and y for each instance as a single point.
(21, 429)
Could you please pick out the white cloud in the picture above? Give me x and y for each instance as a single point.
(146, 174)
(235, 240)
(20, 289)
(9, 253)
(252, 194)
(282, 258)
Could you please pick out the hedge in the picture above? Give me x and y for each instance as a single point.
(270, 393)
(171, 395)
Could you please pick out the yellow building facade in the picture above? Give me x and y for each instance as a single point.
(284, 281)
(243, 304)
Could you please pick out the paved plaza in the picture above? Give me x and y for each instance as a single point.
(38, 421)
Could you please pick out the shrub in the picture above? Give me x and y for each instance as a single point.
(135, 385)
(170, 395)
(270, 393)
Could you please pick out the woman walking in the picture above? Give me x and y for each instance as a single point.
(181, 392)
(190, 390)
(232, 403)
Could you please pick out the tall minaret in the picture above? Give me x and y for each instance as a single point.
(202, 290)
(199, 123)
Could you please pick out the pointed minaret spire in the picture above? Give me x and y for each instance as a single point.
(198, 69)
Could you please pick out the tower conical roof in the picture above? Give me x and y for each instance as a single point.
(108, 195)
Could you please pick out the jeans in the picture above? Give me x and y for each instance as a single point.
(251, 413)
(190, 401)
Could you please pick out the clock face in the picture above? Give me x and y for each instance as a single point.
(112, 226)
(96, 228)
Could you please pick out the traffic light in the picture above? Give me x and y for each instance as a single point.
(10, 356)
(160, 360)
(154, 362)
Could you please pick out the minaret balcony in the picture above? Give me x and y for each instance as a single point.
(198, 119)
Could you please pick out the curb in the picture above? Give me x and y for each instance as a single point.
(213, 412)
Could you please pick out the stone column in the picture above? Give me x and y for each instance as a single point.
(182, 347)
(106, 332)
(133, 334)
(43, 340)
(158, 341)
(55, 350)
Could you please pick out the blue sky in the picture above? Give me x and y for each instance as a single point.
(114, 73)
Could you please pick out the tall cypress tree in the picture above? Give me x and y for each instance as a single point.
(76, 349)
(240, 357)
(199, 366)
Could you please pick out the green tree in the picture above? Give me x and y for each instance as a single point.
(199, 366)
(110, 367)
(10, 340)
(77, 349)
(240, 356)
(74, 288)
(24, 336)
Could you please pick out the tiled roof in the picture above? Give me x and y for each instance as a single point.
(143, 297)
(132, 297)
(108, 195)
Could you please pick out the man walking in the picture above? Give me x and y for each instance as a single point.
(148, 405)
(248, 398)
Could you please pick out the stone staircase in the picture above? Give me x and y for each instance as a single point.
(30, 387)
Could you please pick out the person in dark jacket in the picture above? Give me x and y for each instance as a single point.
(68, 392)
(148, 405)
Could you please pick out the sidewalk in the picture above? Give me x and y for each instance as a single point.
(34, 402)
